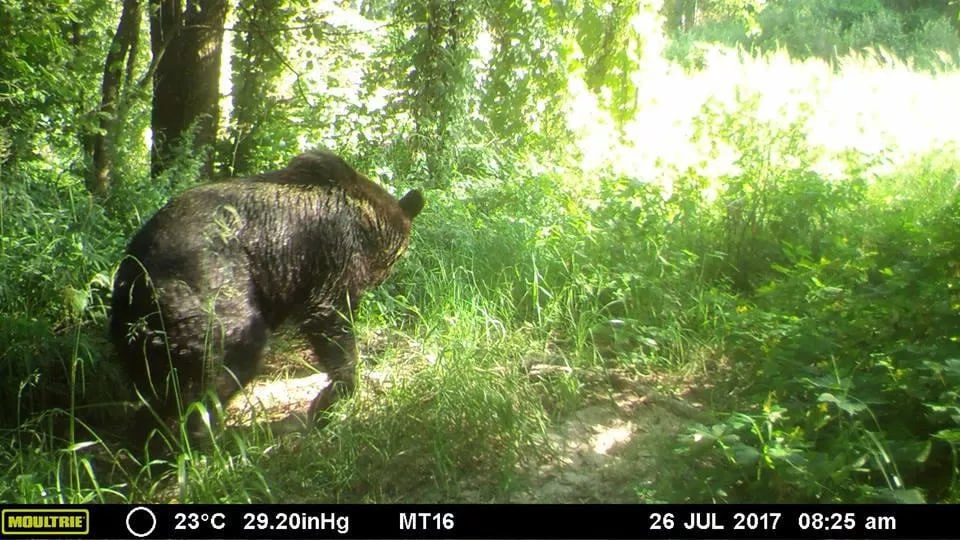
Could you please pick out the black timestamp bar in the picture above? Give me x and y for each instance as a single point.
(474, 521)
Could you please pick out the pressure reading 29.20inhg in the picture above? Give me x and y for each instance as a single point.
(293, 521)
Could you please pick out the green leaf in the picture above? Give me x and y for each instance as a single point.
(952, 366)
(745, 455)
(76, 299)
(903, 496)
(951, 435)
(849, 407)
(80, 446)
(924, 454)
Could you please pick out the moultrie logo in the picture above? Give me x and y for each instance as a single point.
(44, 521)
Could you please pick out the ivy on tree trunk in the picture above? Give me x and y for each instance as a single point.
(187, 38)
(123, 46)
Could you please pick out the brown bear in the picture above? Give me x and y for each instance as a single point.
(209, 276)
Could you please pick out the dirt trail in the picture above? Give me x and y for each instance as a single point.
(602, 452)
(605, 452)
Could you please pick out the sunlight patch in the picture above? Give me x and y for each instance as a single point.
(878, 109)
(611, 437)
(275, 399)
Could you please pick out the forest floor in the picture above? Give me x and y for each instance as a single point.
(605, 451)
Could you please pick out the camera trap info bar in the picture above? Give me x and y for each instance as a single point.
(476, 521)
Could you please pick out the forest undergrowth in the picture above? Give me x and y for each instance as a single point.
(746, 292)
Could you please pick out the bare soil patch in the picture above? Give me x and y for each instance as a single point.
(606, 451)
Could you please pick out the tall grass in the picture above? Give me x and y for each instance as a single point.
(764, 225)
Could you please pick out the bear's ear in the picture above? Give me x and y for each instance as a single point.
(412, 203)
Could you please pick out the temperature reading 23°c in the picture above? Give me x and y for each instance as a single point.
(193, 521)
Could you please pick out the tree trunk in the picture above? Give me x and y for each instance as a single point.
(440, 81)
(680, 15)
(256, 66)
(187, 39)
(124, 45)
